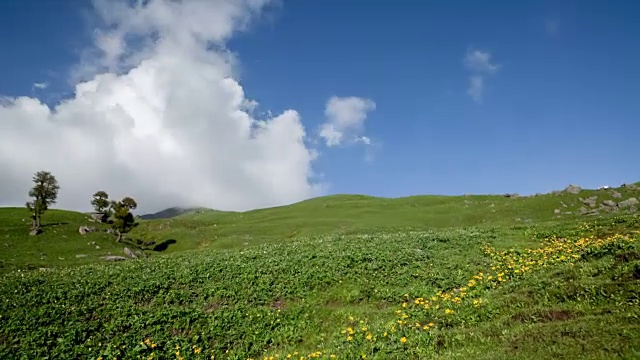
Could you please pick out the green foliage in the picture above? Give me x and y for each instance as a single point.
(44, 194)
(124, 220)
(290, 280)
(100, 202)
(299, 297)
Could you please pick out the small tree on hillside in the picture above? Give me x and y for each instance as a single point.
(124, 220)
(44, 194)
(101, 204)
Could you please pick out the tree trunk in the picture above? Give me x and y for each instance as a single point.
(119, 236)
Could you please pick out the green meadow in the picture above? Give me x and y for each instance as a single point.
(344, 276)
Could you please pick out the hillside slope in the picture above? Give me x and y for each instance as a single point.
(438, 294)
(62, 245)
(348, 214)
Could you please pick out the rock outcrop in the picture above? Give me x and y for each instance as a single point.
(573, 189)
(86, 229)
(130, 253)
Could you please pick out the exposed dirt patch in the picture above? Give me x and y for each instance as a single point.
(543, 316)
(628, 256)
(636, 272)
(277, 305)
(181, 332)
(383, 304)
(212, 306)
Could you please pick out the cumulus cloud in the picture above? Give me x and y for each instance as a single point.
(476, 87)
(345, 120)
(160, 117)
(478, 63)
(41, 85)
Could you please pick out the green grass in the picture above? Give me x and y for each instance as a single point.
(356, 214)
(58, 245)
(291, 280)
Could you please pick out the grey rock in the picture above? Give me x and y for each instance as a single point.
(86, 229)
(100, 217)
(609, 203)
(629, 202)
(583, 210)
(81, 256)
(97, 247)
(633, 209)
(130, 253)
(114, 258)
(573, 189)
(615, 194)
(631, 186)
(557, 211)
(511, 195)
(568, 213)
(590, 201)
(111, 231)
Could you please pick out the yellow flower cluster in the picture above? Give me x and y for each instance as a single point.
(505, 265)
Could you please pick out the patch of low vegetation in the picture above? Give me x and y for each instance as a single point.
(450, 294)
(345, 276)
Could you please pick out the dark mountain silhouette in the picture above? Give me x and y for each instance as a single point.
(169, 213)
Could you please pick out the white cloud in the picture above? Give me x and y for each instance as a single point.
(41, 85)
(479, 64)
(476, 87)
(162, 120)
(345, 120)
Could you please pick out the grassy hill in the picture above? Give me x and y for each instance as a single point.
(354, 214)
(429, 277)
(169, 213)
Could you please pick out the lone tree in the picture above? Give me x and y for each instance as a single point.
(44, 194)
(101, 204)
(124, 220)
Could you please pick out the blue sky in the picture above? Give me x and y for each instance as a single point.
(562, 105)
